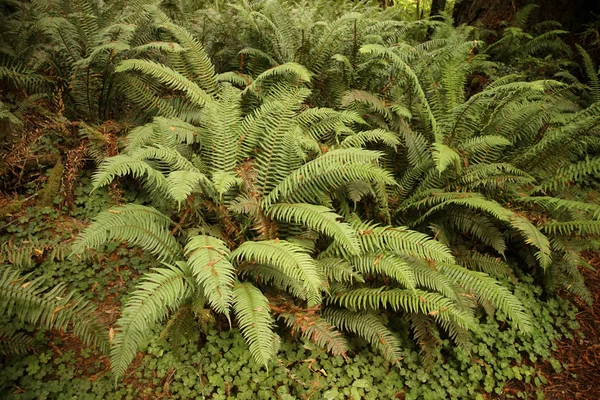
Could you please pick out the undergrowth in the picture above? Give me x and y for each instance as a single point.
(333, 202)
(222, 369)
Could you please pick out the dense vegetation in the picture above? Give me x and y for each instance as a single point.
(340, 185)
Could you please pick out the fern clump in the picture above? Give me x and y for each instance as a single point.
(30, 301)
(337, 170)
(264, 209)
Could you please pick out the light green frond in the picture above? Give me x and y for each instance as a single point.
(368, 327)
(195, 57)
(166, 47)
(138, 225)
(223, 181)
(180, 184)
(360, 139)
(444, 156)
(329, 171)
(386, 264)
(32, 302)
(317, 330)
(122, 165)
(169, 157)
(288, 69)
(289, 258)
(140, 136)
(491, 291)
(428, 277)
(235, 78)
(320, 219)
(254, 317)
(476, 201)
(402, 241)
(414, 301)
(534, 237)
(208, 259)
(159, 292)
(267, 274)
(338, 270)
(221, 131)
(168, 77)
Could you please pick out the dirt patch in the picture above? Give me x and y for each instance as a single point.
(581, 379)
(581, 355)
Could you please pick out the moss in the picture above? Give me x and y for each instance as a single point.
(11, 208)
(51, 189)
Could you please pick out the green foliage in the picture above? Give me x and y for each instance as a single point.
(327, 167)
(31, 302)
(223, 367)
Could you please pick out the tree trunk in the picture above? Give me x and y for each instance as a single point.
(573, 14)
(386, 3)
(436, 7)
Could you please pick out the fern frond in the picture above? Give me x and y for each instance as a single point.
(289, 258)
(32, 302)
(591, 74)
(15, 343)
(414, 301)
(492, 266)
(180, 184)
(385, 264)
(331, 170)
(138, 225)
(423, 327)
(320, 219)
(491, 291)
(338, 270)
(368, 327)
(444, 156)
(158, 293)
(578, 228)
(360, 139)
(202, 70)
(317, 330)
(256, 324)
(269, 275)
(402, 241)
(168, 77)
(571, 174)
(209, 263)
(290, 68)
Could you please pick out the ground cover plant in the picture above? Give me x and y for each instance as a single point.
(332, 195)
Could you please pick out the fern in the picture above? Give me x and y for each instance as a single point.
(159, 292)
(368, 327)
(321, 220)
(254, 317)
(33, 303)
(138, 225)
(208, 261)
(290, 259)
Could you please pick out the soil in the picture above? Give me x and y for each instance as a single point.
(581, 379)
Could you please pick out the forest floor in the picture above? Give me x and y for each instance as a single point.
(581, 379)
